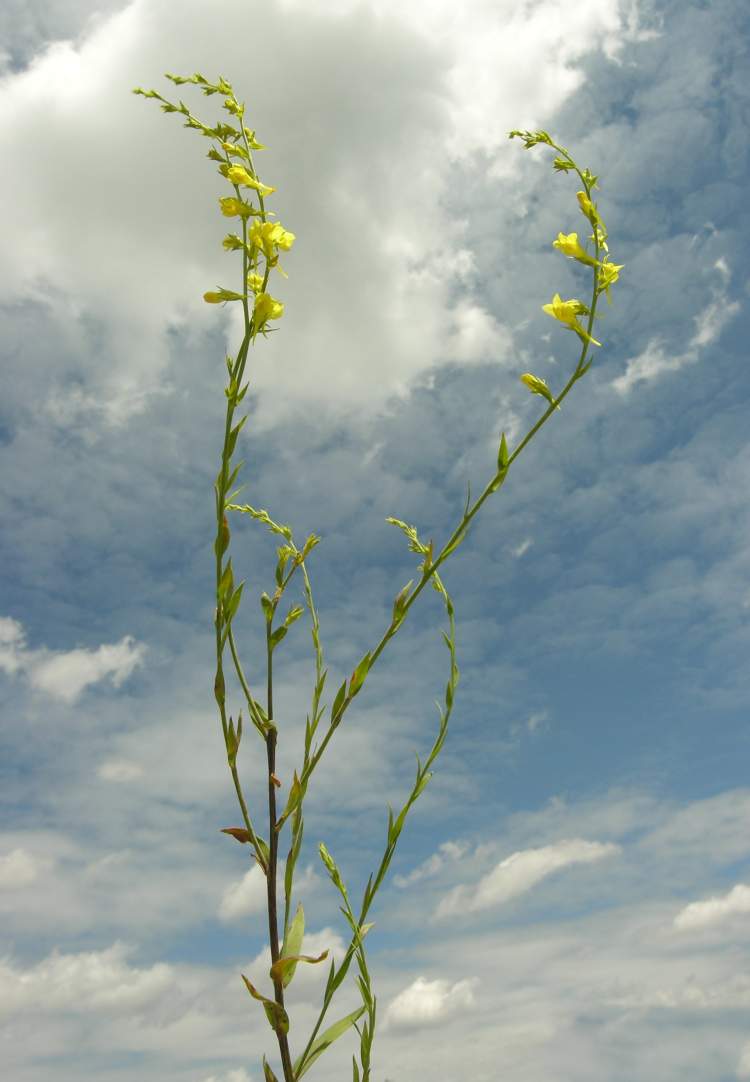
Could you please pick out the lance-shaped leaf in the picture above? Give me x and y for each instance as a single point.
(277, 1017)
(325, 1041)
(232, 440)
(283, 970)
(400, 603)
(359, 674)
(338, 702)
(244, 836)
(222, 541)
(233, 740)
(502, 455)
(295, 792)
(268, 1074)
(231, 606)
(292, 942)
(226, 582)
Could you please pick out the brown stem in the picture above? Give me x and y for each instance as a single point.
(273, 924)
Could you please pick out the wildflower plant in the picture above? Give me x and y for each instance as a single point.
(261, 240)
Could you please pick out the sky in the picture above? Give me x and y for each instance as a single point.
(570, 897)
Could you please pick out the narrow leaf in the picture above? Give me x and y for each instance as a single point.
(285, 967)
(359, 674)
(502, 455)
(277, 1017)
(325, 1041)
(293, 942)
(268, 1073)
(338, 701)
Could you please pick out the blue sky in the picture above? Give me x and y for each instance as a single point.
(570, 898)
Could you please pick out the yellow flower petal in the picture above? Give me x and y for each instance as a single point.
(267, 307)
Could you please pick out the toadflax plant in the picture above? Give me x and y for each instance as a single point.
(259, 240)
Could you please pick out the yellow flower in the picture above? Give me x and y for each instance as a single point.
(587, 207)
(566, 312)
(266, 307)
(609, 273)
(222, 295)
(234, 208)
(569, 246)
(538, 386)
(255, 281)
(267, 235)
(239, 175)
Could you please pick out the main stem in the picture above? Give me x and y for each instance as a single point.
(273, 923)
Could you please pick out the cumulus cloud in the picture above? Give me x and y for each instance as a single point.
(244, 897)
(714, 910)
(17, 869)
(64, 675)
(427, 1003)
(520, 872)
(447, 853)
(378, 247)
(90, 981)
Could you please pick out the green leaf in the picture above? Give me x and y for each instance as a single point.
(295, 793)
(285, 967)
(451, 548)
(234, 603)
(233, 436)
(325, 1041)
(293, 942)
(359, 674)
(226, 582)
(277, 1017)
(221, 544)
(400, 603)
(338, 701)
(422, 784)
(278, 635)
(268, 1073)
(502, 455)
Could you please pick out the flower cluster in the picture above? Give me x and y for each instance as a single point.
(264, 238)
(605, 272)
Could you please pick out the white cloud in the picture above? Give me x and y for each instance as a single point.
(535, 720)
(240, 1075)
(447, 852)
(377, 246)
(714, 909)
(743, 1067)
(426, 1003)
(91, 980)
(522, 548)
(63, 674)
(12, 644)
(119, 770)
(244, 897)
(17, 869)
(520, 872)
(655, 360)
